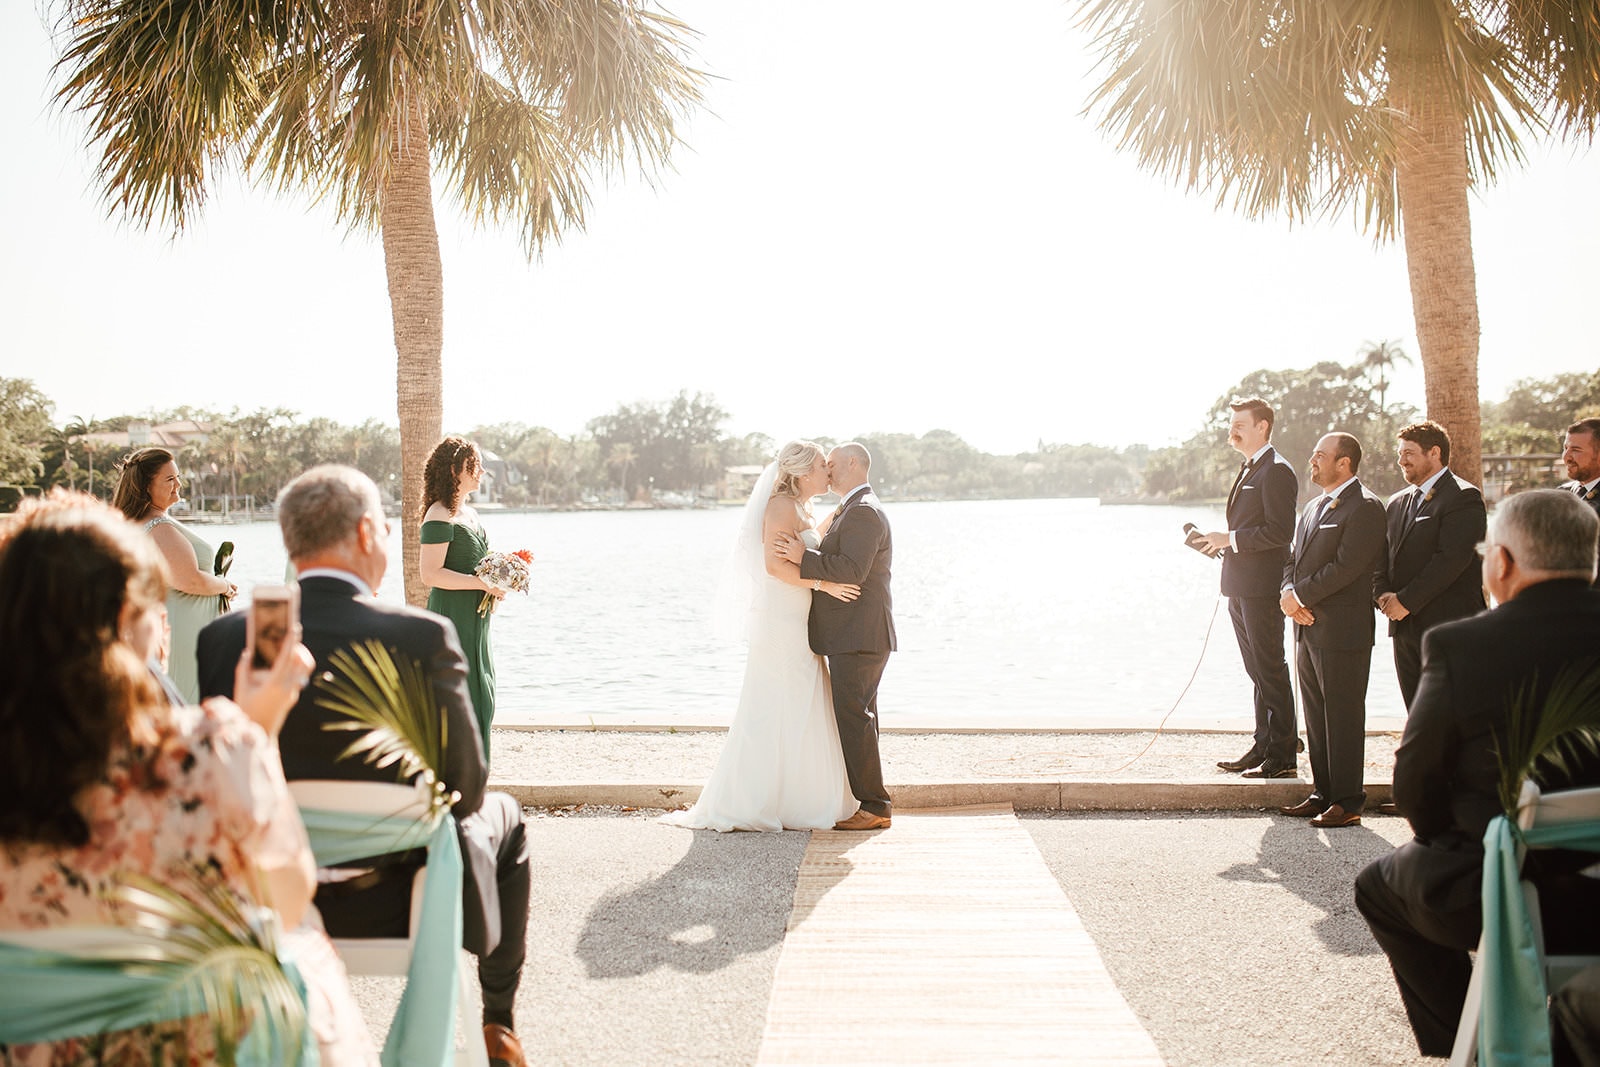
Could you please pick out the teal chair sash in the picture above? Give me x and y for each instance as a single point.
(422, 1033)
(54, 994)
(1514, 1028)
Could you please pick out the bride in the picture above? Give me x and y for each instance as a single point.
(781, 767)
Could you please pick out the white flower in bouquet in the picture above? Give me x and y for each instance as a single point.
(504, 570)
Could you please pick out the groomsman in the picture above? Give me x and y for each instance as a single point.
(1430, 573)
(1254, 549)
(1327, 592)
(1582, 457)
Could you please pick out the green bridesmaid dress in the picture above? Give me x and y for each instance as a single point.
(187, 614)
(468, 545)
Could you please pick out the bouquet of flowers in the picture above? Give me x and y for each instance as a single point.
(219, 567)
(503, 570)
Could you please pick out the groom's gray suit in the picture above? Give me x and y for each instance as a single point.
(857, 636)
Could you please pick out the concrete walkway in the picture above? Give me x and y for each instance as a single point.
(1031, 770)
(1231, 934)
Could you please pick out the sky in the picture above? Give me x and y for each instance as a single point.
(891, 216)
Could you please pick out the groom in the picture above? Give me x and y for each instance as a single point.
(857, 636)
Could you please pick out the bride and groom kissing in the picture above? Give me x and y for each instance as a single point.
(802, 752)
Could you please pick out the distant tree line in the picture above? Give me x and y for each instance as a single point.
(679, 446)
(639, 450)
(1332, 396)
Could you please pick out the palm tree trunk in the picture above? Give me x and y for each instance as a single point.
(1431, 179)
(416, 300)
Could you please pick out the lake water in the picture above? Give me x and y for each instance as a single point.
(1028, 613)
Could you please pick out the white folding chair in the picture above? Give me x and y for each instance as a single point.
(1533, 809)
(391, 956)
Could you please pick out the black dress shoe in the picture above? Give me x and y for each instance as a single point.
(1244, 762)
(1271, 769)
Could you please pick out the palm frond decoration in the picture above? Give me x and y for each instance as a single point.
(1550, 734)
(389, 702)
(220, 958)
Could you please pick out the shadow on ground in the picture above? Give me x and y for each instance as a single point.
(720, 902)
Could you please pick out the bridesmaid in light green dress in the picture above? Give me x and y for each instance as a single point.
(148, 487)
(453, 542)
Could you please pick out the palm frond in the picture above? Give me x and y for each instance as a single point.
(219, 960)
(390, 703)
(1283, 107)
(1549, 734)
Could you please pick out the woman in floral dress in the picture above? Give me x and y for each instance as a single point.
(100, 777)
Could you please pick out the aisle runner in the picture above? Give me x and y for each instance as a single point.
(944, 939)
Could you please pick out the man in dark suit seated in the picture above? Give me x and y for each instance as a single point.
(1430, 573)
(334, 529)
(1423, 900)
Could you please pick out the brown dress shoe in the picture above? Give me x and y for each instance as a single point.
(1336, 817)
(863, 820)
(1306, 809)
(1243, 763)
(504, 1048)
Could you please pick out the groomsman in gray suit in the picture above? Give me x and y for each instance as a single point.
(1430, 573)
(1327, 591)
(856, 636)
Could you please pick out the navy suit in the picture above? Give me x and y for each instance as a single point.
(335, 616)
(1431, 565)
(1261, 518)
(858, 636)
(1423, 900)
(1336, 550)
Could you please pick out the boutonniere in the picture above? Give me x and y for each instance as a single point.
(1332, 504)
(1592, 493)
(1428, 495)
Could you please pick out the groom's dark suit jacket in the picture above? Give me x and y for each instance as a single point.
(856, 550)
(335, 615)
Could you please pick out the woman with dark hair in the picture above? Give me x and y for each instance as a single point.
(149, 485)
(100, 777)
(453, 542)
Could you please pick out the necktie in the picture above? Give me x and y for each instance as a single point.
(1578, 488)
(1416, 506)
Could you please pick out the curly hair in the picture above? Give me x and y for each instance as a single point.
(75, 690)
(795, 461)
(138, 468)
(441, 477)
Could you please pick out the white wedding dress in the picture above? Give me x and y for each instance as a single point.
(781, 767)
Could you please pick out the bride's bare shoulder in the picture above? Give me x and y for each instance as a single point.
(783, 513)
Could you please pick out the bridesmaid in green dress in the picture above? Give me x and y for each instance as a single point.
(453, 542)
(148, 487)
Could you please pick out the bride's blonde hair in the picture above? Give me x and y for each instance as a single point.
(795, 461)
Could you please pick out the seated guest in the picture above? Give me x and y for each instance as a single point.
(338, 541)
(101, 777)
(1423, 900)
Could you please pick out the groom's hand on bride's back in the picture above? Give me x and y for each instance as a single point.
(787, 546)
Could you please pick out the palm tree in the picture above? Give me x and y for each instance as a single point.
(1378, 360)
(619, 459)
(512, 102)
(1391, 109)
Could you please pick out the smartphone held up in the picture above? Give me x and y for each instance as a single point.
(274, 612)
